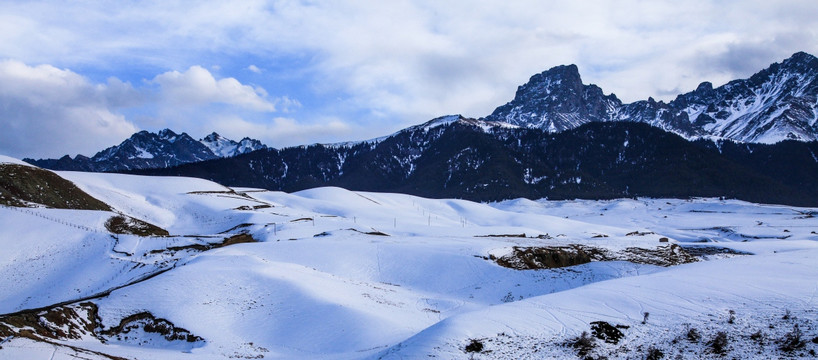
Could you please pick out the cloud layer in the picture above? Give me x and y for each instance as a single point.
(44, 108)
(197, 86)
(378, 66)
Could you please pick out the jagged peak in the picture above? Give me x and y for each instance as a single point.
(167, 133)
(214, 136)
(704, 87)
(555, 75)
(801, 58)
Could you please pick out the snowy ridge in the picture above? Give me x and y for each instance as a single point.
(10, 160)
(442, 121)
(485, 125)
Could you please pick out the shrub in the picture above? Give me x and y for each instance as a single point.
(474, 346)
(792, 340)
(584, 344)
(606, 332)
(654, 354)
(694, 335)
(719, 343)
(758, 337)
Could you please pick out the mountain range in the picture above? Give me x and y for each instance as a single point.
(153, 150)
(777, 103)
(558, 138)
(455, 157)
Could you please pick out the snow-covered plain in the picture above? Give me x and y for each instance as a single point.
(337, 274)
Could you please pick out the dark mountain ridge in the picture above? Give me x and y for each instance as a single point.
(595, 161)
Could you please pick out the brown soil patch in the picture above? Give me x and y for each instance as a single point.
(20, 185)
(127, 225)
(550, 257)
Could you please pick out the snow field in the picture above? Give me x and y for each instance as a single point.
(350, 275)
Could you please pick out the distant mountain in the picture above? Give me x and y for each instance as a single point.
(153, 150)
(478, 160)
(778, 103)
(224, 147)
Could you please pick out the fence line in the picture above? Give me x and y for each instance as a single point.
(49, 218)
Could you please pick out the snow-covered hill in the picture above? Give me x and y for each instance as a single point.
(337, 274)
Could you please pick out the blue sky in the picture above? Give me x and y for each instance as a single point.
(76, 77)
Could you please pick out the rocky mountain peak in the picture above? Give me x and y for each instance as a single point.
(556, 100)
(212, 137)
(168, 134)
(704, 87)
(802, 61)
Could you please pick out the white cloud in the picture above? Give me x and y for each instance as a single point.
(286, 104)
(282, 132)
(46, 110)
(254, 69)
(389, 64)
(197, 86)
(49, 112)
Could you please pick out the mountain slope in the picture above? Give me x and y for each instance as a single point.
(25, 185)
(476, 160)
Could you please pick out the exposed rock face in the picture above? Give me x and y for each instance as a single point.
(82, 321)
(148, 323)
(544, 258)
(121, 224)
(550, 257)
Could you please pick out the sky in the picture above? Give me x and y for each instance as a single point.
(79, 76)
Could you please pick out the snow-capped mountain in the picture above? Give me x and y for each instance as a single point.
(153, 150)
(777, 103)
(224, 147)
(556, 100)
